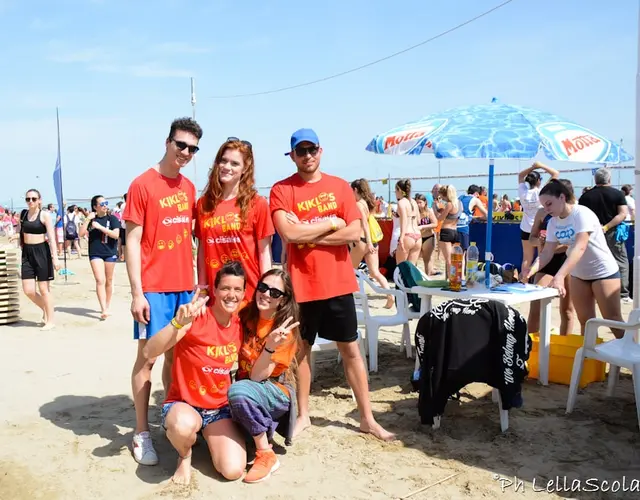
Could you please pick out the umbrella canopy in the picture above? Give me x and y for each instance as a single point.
(498, 131)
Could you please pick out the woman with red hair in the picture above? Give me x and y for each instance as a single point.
(233, 220)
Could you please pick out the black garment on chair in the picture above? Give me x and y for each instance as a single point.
(470, 340)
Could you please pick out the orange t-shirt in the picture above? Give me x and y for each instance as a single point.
(164, 208)
(317, 272)
(485, 202)
(252, 346)
(225, 238)
(202, 362)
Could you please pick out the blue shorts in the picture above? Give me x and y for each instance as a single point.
(113, 258)
(208, 416)
(163, 307)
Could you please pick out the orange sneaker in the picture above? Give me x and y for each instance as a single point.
(265, 463)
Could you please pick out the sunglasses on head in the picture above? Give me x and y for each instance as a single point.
(274, 293)
(30, 199)
(303, 150)
(181, 145)
(246, 143)
(104, 203)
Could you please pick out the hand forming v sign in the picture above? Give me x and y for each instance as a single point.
(188, 312)
(280, 334)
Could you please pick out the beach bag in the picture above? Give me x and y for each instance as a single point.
(375, 230)
(70, 229)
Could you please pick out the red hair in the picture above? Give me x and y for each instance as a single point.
(246, 190)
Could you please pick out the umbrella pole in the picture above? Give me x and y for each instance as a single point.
(488, 257)
(636, 250)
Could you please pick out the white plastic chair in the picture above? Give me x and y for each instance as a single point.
(374, 322)
(623, 352)
(397, 279)
(496, 398)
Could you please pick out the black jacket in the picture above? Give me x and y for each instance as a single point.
(470, 340)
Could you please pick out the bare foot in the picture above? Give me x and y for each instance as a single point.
(47, 327)
(390, 302)
(183, 471)
(105, 315)
(302, 423)
(376, 430)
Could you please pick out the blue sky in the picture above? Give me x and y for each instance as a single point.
(119, 72)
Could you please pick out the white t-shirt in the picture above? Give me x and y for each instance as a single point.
(597, 262)
(529, 199)
(631, 204)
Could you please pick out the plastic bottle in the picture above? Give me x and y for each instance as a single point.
(455, 272)
(473, 256)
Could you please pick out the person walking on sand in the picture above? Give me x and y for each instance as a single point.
(103, 230)
(159, 213)
(316, 215)
(39, 257)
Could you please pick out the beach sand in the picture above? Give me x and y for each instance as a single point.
(66, 421)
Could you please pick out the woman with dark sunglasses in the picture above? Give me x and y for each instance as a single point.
(103, 230)
(233, 221)
(264, 390)
(39, 257)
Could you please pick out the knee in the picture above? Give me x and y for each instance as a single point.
(231, 469)
(183, 425)
(100, 281)
(31, 293)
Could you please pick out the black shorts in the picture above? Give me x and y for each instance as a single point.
(554, 264)
(524, 236)
(332, 319)
(448, 235)
(123, 236)
(36, 262)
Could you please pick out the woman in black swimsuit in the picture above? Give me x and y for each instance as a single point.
(427, 223)
(39, 257)
(545, 275)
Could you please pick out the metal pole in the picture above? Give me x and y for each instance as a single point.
(193, 115)
(61, 209)
(438, 171)
(389, 186)
(636, 251)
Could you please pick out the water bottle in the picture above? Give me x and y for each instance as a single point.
(473, 256)
(456, 271)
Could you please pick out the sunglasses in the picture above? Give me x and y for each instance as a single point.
(183, 145)
(302, 150)
(246, 143)
(31, 200)
(104, 203)
(274, 293)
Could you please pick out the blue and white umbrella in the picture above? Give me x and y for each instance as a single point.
(498, 131)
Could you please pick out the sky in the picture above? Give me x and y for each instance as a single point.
(119, 72)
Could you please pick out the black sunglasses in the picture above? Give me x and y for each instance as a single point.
(246, 143)
(302, 150)
(183, 145)
(274, 293)
(28, 199)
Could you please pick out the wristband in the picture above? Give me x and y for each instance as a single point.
(176, 325)
(605, 228)
(268, 350)
(334, 226)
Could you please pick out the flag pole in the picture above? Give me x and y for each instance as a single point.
(193, 114)
(60, 196)
(636, 171)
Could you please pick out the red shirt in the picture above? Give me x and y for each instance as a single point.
(202, 362)
(164, 208)
(318, 272)
(225, 238)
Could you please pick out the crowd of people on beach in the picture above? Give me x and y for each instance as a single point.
(226, 305)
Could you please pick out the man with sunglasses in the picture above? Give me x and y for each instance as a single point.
(159, 213)
(316, 215)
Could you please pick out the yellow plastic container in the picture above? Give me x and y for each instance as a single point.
(562, 353)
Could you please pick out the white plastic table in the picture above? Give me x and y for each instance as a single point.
(544, 295)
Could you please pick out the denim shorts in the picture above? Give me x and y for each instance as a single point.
(113, 258)
(208, 416)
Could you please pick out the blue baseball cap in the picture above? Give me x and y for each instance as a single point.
(303, 135)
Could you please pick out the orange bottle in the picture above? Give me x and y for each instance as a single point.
(456, 271)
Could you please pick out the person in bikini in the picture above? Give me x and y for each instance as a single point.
(427, 224)
(449, 216)
(410, 240)
(365, 248)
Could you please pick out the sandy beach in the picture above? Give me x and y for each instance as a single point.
(66, 418)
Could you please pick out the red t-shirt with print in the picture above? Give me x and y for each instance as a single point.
(165, 208)
(202, 362)
(317, 272)
(224, 238)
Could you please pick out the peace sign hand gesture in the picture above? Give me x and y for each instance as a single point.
(188, 312)
(280, 334)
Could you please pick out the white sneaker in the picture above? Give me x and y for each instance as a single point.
(627, 300)
(143, 451)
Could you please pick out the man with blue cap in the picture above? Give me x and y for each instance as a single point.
(317, 218)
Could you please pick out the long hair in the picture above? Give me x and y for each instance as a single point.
(250, 315)
(94, 202)
(423, 211)
(404, 185)
(246, 190)
(450, 194)
(363, 189)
